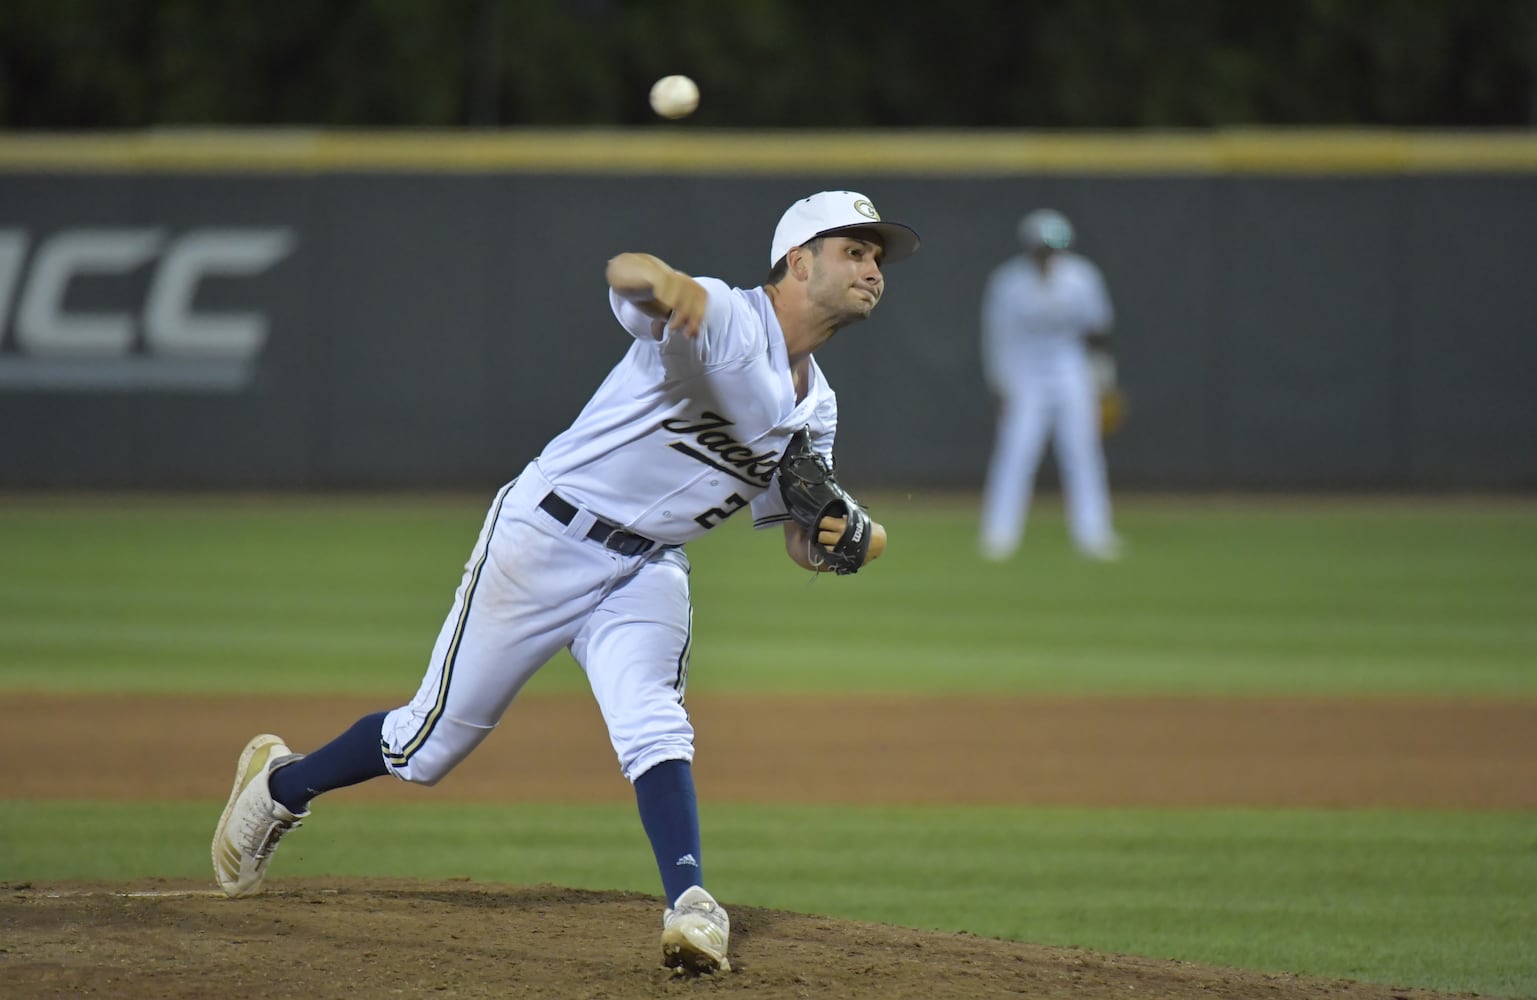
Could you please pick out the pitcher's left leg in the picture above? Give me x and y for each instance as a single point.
(635, 651)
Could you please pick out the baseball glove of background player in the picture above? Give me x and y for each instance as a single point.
(811, 492)
(1112, 411)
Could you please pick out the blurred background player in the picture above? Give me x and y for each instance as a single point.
(1046, 320)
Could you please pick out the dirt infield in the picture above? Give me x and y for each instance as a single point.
(349, 938)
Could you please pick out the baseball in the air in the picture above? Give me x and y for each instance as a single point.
(674, 96)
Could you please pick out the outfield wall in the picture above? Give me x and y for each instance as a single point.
(299, 310)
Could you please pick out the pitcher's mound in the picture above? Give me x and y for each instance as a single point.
(348, 938)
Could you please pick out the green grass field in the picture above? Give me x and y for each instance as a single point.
(1318, 597)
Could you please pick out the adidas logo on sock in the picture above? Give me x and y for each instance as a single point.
(689, 860)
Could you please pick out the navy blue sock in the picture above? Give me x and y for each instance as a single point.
(670, 815)
(352, 757)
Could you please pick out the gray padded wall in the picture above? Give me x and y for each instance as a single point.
(433, 330)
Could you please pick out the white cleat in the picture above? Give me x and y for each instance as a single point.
(997, 550)
(1108, 551)
(695, 933)
(252, 823)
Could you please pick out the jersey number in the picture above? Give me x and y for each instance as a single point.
(716, 515)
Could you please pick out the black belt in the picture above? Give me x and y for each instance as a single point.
(610, 536)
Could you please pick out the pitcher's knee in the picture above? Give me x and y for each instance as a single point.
(642, 759)
(424, 754)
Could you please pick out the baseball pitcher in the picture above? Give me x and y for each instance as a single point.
(718, 406)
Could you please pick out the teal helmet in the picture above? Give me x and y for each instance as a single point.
(1045, 228)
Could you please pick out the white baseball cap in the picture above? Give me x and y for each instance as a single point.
(829, 212)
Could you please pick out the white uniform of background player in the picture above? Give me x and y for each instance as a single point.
(1039, 310)
(582, 551)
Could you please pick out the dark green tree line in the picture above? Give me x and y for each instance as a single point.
(68, 64)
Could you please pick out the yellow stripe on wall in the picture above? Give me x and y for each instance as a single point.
(684, 150)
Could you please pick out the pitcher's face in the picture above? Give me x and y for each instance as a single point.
(846, 277)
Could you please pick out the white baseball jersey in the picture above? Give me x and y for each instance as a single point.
(1033, 323)
(683, 433)
(686, 431)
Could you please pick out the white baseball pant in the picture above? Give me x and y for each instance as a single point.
(532, 586)
(1061, 404)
